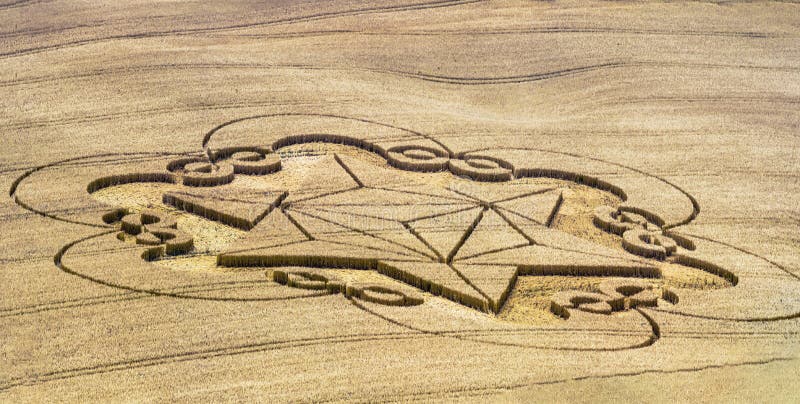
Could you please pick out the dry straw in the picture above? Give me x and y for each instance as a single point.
(316, 279)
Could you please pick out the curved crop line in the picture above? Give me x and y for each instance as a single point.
(743, 320)
(197, 355)
(86, 118)
(573, 30)
(54, 305)
(437, 78)
(356, 142)
(475, 391)
(503, 79)
(742, 250)
(425, 32)
(14, 185)
(18, 4)
(57, 260)
(42, 213)
(284, 21)
(133, 155)
(209, 134)
(420, 76)
(121, 297)
(653, 324)
(210, 353)
(655, 334)
(687, 220)
(496, 32)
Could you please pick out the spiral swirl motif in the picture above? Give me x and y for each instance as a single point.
(253, 161)
(198, 172)
(418, 158)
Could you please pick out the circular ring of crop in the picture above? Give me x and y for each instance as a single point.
(418, 158)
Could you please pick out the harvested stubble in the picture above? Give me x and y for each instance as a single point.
(495, 282)
(479, 171)
(694, 262)
(643, 271)
(152, 227)
(380, 294)
(249, 160)
(208, 236)
(628, 294)
(178, 165)
(308, 280)
(648, 244)
(591, 302)
(417, 158)
(571, 176)
(114, 180)
(251, 163)
(605, 218)
(611, 296)
(146, 220)
(322, 279)
(294, 138)
(209, 175)
(625, 94)
(232, 206)
(175, 241)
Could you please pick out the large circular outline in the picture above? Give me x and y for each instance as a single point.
(206, 139)
(655, 335)
(695, 204)
(57, 259)
(20, 180)
(109, 229)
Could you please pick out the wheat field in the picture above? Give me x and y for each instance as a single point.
(400, 200)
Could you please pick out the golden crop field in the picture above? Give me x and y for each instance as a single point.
(400, 200)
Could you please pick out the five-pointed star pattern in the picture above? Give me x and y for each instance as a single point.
(464, 240)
